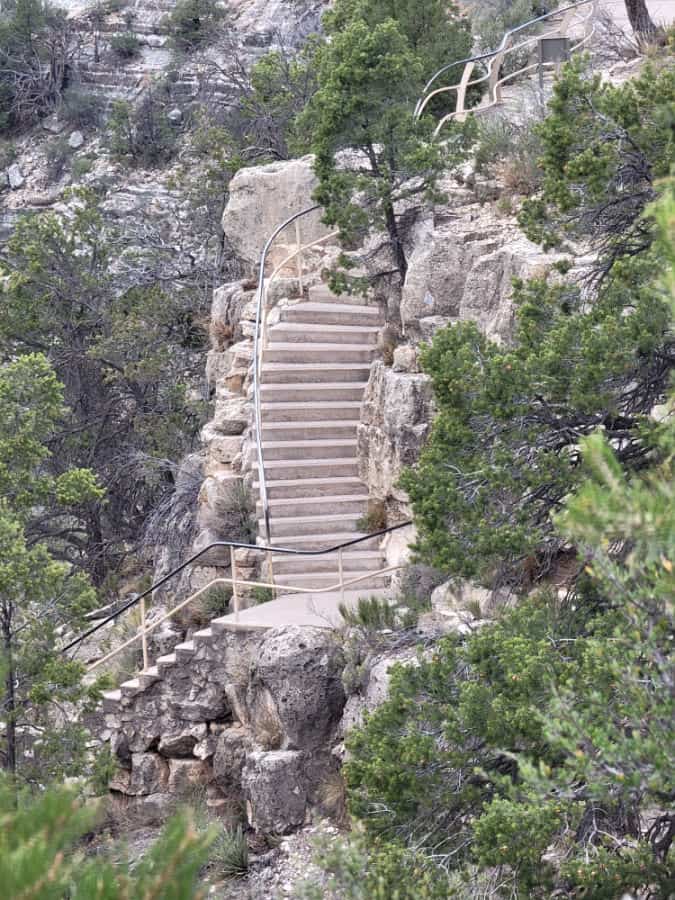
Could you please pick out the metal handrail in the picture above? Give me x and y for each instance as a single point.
(471, 61)
(258, 348)
(232, 546)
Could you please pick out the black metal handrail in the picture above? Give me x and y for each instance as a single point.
(236, 545)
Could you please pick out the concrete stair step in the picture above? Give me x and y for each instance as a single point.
(335, 313)
(313, 487)
(348, 391)
(293, 469)
(320, 411)
(315, 506)
(166, 662)
(312, 525)
(202, 637)
(333, 449)
(312, 541)
(299, 352)
(307, 373)
(303, 333)
(131, 688)
(111, 700)
(149, 676)
(184, 651)
(352, 561)
(309, 431)
(329, 580)
(321, 293)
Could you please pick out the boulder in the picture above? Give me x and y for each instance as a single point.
(175, 116)
(261, 198)
(395, 421)
(488, 290)
(149, 774)
(437, 271)
(15, 176)
(296, 686)
(228, 761)
(182, 743)
(187, 774)
(76, 140)
(275, 791)
(376, 689)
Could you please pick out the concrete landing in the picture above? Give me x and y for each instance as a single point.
(308, 610)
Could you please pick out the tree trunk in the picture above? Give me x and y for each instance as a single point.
(9, 703)
(640, 20)
(392, 228)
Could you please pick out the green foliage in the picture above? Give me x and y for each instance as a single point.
(380, 871)
(124, 349)
(261, 595)
(433, 29)
(37, 43)
(228, 854)
(80, 108)
(192, 23)
(369, 77)
(39, 857)
(126, 44)
(534, 748)
(510, 151)
(370, 614)
(503, 452)
(605, 147)
(38, 593)
(142, 135)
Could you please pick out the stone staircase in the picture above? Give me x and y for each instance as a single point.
(316, 367)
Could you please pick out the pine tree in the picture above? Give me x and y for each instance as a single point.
(37, 593)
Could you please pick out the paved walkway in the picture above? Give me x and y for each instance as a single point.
(309, 610)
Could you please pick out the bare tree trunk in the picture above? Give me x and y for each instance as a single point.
(9, 701)
(640, 20)
(395, 236)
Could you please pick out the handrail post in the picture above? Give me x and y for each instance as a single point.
(235, 587)
(342, 577)
(270, 566)
(144, 636)
(298, 241)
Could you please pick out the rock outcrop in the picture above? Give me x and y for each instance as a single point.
(263, 197)
(252, 719)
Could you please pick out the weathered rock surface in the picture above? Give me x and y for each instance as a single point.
(296, 685)
(395, 422)
(263, 197)
(276, 791)
(252, 715)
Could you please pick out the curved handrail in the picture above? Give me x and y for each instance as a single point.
(231, 545)
(490, 55)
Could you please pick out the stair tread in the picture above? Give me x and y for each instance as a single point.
(325, 404)
(317, 423)
(329, 498)
(343, 517)
(167, 660)
(312, 463)
(133, 683)
(337, 442)
(313, 385)
(317, 306)
(315, 346)
(346, 554)
(293, 482)
(327, 329)
(113, 695)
